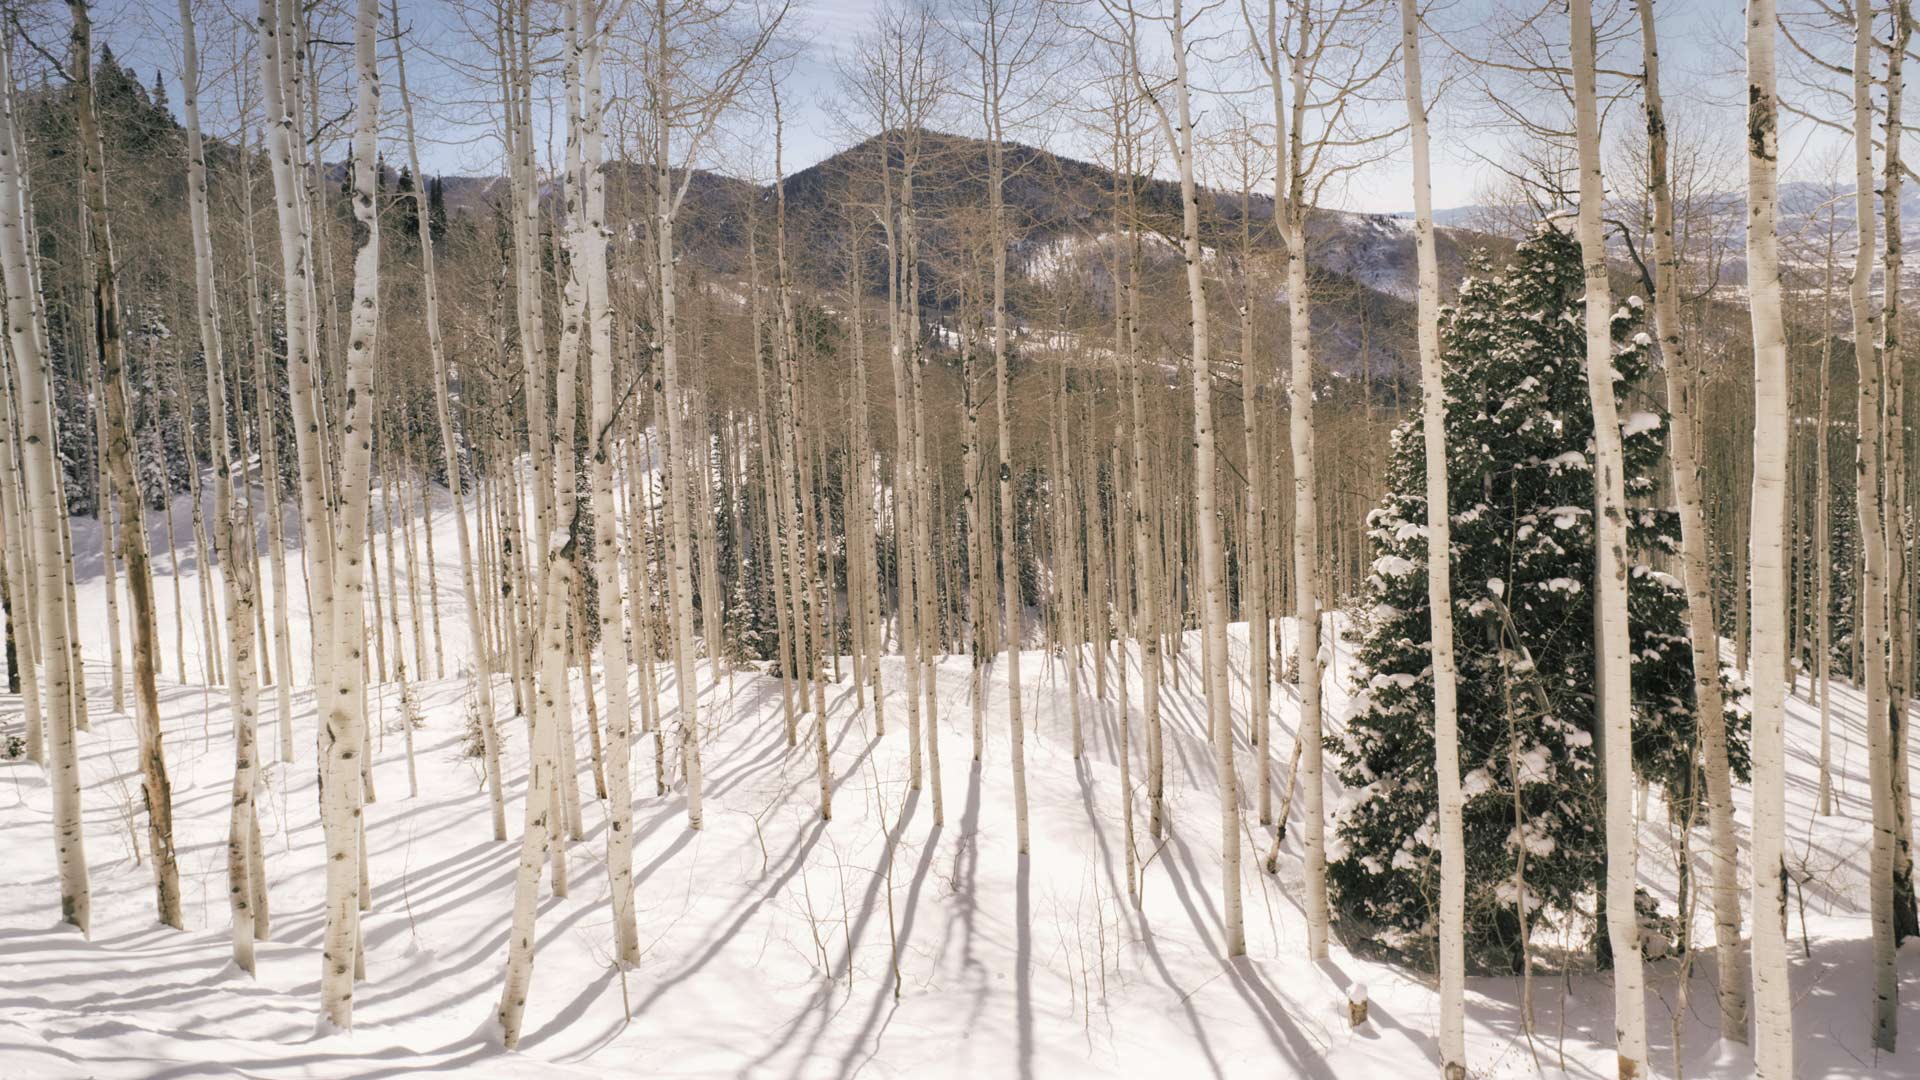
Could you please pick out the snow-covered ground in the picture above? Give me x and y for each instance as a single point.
(774, 944)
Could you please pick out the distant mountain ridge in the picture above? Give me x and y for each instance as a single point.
(1062, 213)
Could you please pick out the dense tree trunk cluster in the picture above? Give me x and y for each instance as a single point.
(1569, 499)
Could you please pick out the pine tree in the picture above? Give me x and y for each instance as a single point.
(406, 206)
(1519, 447)
(744, 641)
(437, 209)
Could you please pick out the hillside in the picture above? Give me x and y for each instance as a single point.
(1061, 210)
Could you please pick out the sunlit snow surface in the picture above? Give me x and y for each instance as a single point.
(767, 935)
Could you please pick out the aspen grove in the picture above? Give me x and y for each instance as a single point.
(1237, 538)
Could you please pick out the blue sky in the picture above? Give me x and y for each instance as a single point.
(1699, 52)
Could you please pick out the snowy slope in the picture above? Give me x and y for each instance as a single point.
(776, 945)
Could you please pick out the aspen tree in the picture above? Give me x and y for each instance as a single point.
(210, 663)
(566, 382)
(1773, 1052)
(21, 581)
(928, 590)
(1306, 522)
(536, 833)
(517, 77)
(787, 348)
(419, 600)
(294, 221)
(269, 473)
(1014, 636)
(1177, 128)
(861, 519)
(1823, 532)
(1143, 521)
(1254, 570)
(156, 789)
(979, 597)
(1613, 658)
(109, 556)
(1906, 920)
(28, 348)
(76, 670)
(901, 334)
(770, 494)
(676, 102)
(1695, 556)
(590, 240)
(233, 505)
(1446, 718)
(898, 83)
(1318, 63)
(343, 720)
(1065, 632)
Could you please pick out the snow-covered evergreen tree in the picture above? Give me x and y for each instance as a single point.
(742, 620)
(1519, 447)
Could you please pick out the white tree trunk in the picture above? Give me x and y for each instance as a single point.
(156, 788)
(541, 822)
(456, 483)
(344, 745)
(294, 219)
(1695, 556)
(116, 657)
(1823, 555)
(1178, 130)
(590, 241)
(233, 507)
(1446, 717)
(677, 480)
(1613, 658)
(33, 377)
(21, 580)
(1770, 980)
(1893, 365)
(1014, 636)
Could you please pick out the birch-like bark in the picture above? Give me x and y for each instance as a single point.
(541, 820)
(156, 789)
(1284, 67)
(590, 248)
(804, 536)
(109, 557)
(928, 592)
(1144, 523)
(1613, 657)
(302, 361)
(450, 451)
(269, 478)
(1446, 714)
(677, 479)
(33, 376)
(768, 434)
(528, 260)
(1774, 1047)
(1254, 568)
(1906, 921)
(233, 506)
(861, 503)
(1306, 537)
(21, 582)
(1823, 539)
(1014, 636)
(1695, 556)
(1178, 130)
(343, 717)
